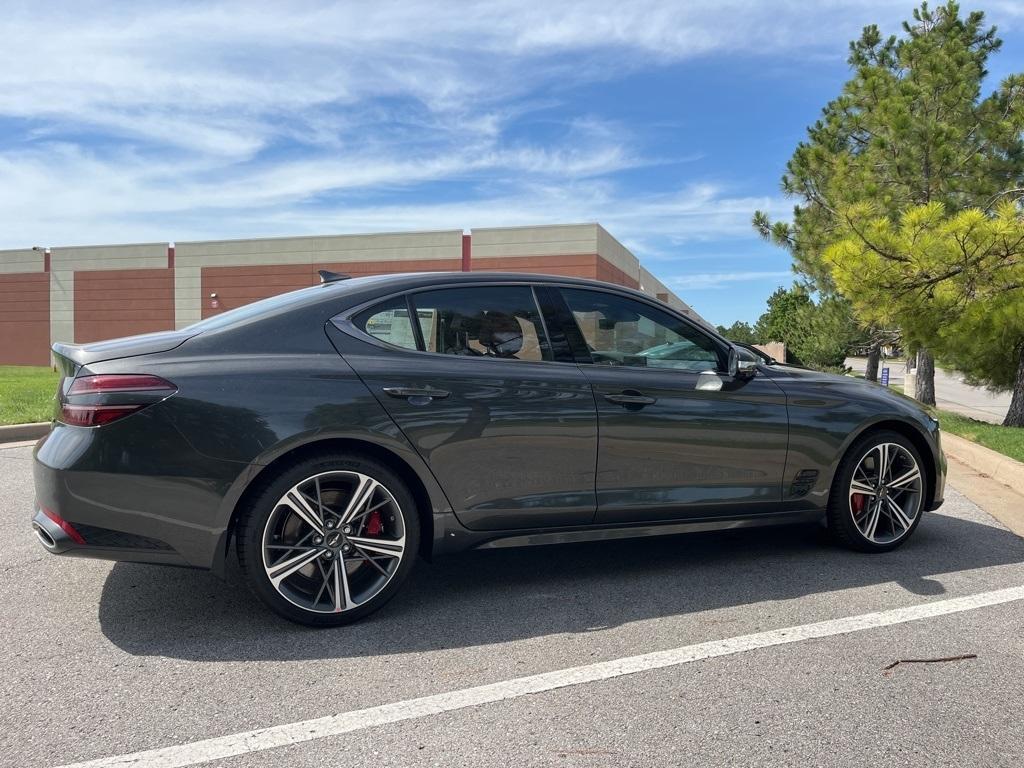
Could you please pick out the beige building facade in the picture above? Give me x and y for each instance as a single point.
(86, 293)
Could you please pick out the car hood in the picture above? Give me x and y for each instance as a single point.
(848, 386)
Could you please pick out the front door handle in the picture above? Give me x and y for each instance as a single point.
(417, 396)
(631, 398)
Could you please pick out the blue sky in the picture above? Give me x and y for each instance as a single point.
(667, 122)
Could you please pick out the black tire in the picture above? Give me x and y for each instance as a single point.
(253, 522)
(840, 514)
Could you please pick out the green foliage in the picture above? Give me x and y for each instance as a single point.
(817, 335)
(739, 331)
(953, 282)
(779, 321)
(825, 333)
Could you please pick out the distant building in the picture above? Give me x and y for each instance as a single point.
(86, 293)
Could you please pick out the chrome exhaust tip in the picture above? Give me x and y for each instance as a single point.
(44, 537)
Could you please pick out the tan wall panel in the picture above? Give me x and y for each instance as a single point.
(556, 240)
(25, 319)
(21, 260)
(122, 302)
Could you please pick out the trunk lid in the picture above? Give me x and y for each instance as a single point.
(70, 357)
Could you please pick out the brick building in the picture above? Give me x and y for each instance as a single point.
(86, 293)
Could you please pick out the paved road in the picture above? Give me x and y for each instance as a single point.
(102, 659)
(951, 392)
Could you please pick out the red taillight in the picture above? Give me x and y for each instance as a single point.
(94, 415)
(65, 526)
(108, 383)
(121, 384)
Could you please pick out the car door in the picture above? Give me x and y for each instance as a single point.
(679, 438)
(470, 376)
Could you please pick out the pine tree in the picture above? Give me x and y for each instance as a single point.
(910, 128)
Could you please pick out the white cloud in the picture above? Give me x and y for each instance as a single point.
(723, 279)
(154, 120)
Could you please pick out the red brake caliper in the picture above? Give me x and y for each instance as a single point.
(857, 503)
(374, 525)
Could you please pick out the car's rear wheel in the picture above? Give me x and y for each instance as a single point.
(878, 494)
(329, 540)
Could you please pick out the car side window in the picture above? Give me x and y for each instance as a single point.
(389, 322)
(482, 321)
(621, 331)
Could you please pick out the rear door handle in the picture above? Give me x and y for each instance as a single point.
(631, 398)
(417, 396)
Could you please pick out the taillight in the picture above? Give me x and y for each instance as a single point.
(129, 392)
(108, 383)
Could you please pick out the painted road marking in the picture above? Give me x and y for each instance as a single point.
(334, 725)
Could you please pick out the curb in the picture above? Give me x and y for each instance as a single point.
(18, 432)
(985, 461)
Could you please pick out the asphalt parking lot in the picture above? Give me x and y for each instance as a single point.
(102, 660)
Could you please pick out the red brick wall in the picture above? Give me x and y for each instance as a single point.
(25, 319)
(572, 265)
(611, 274)
(122, 302)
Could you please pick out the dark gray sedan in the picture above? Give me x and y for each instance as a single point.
(335, 433)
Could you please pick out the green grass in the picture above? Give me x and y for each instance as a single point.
(1008, 441)
(26, 393)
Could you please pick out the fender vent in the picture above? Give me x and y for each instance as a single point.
(803, 482)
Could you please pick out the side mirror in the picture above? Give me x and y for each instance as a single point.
(739, 368)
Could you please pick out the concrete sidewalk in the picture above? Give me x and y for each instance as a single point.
(951, 392)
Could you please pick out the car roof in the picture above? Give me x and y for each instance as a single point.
(359, 290)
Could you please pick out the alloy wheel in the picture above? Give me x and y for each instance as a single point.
(886, 493)
(333, 541)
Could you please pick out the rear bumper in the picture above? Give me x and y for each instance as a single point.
(126, 497)
(55, 540)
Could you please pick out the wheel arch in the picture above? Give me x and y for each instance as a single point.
(425, 505)
(917, 438)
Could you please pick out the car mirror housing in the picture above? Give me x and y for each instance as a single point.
(739, 368)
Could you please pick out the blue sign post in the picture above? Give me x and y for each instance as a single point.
(885, 377)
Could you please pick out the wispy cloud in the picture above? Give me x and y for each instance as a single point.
(149, 120)
(724, 279)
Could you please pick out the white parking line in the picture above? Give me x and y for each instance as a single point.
(346, 722)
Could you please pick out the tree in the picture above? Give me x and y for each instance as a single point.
(956, 280)
(780, 320)
(739, 331)
(818, 335)
(908, 129)
(825, 333)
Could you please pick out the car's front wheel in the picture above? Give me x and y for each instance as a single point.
(329, 540)
(878, 493)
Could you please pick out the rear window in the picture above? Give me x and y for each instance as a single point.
(389, 322)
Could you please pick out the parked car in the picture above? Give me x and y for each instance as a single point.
(331, 435)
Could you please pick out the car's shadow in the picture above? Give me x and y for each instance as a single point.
(481, 598)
